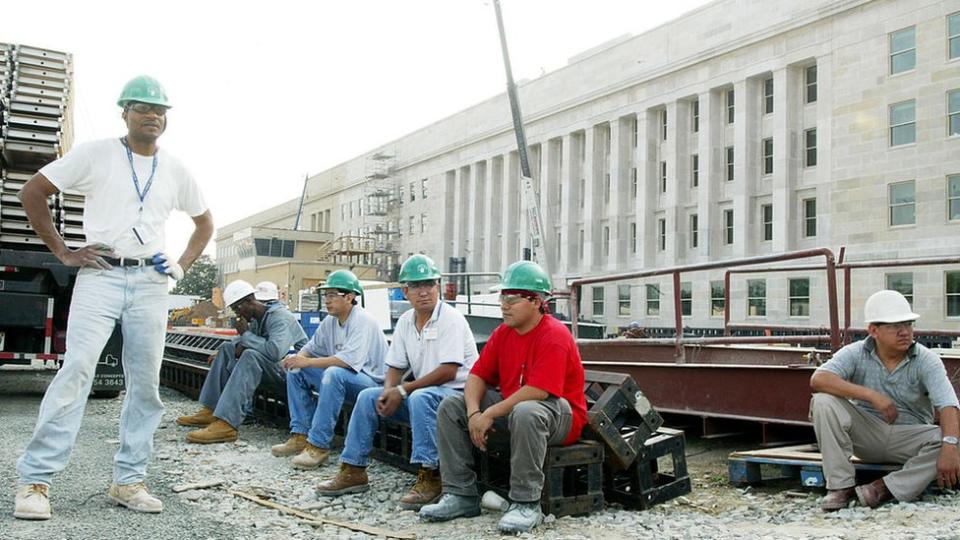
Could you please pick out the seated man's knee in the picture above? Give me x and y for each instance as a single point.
(527, 413)
(821, 400)
(367, 398)
(335, 374)
(451, 406)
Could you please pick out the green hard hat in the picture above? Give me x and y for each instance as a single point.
(418, 267)
(344, 280)
(144, 89)
(526, 276)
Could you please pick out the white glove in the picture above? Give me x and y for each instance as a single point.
(162, 263)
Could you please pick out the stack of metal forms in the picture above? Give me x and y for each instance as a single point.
(35, 129)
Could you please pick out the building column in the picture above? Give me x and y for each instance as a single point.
(647, 185)
(785, 164)
(492, 228)
(710, 176)
(591, 209)
(510, 199)
(619, 193)
(746, 167)
(461, 210)
(568, 180)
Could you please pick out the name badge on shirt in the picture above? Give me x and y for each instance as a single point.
(338, 347)
(430, 333)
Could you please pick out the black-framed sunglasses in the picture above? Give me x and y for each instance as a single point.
(330, 295)
(147, 108)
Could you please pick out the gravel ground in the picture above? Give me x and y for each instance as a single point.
(714, 510)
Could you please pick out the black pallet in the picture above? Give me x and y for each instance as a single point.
(643, 485)
(619, 415)
(393, 444)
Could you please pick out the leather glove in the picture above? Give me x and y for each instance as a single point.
(163, 263)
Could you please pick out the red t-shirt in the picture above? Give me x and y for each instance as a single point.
(545, 357)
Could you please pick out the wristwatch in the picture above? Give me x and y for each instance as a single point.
(403, 394)
(950, 440)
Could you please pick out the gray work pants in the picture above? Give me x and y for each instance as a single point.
(843, 429)
(231, 382)
(531, 427)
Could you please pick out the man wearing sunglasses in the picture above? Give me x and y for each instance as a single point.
(344, 356)
(131, 186)
(434, 342)
(526, 386)
(878, 399)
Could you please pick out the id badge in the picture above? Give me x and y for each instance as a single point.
(430, 333)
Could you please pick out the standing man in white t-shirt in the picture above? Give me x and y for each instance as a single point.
(131, 186)
(433, 341)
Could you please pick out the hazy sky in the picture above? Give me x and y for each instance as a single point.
(266, 92)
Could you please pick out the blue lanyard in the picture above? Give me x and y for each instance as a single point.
(133, 173)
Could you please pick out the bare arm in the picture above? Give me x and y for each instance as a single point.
(473, 392)
(833, 384)
(948, 463)
(440, 375)
(525, 393)
(202, 232)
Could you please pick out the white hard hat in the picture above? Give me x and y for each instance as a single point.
(236, 291)
(266, 290)
(887, 307)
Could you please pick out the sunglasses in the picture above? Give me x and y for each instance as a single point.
(417, 285)
(511, 299)
(146, 108)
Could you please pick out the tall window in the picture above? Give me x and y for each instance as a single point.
(606, 241)
(768, 156)
(633, 237)
(729, 163)
(423, 188)
(695, 170)
(401, 199)
(903, 203)
(953, 112)
(810, 142)
(903, 50)
(756, 298)
(623, 301)
(953, 197)
(580, 244)
(694, 232)
(766, 214)
(423, 223)
(412, 221)
(768, 96)
(663, 177)
(583, 191)
(903, 123)
(731, 115)
(634, 135)
(413, 192)
(902, 282)
(716, 299)
(728, 226)
(633, 183)
(663, 124)
(653, 300)
(686, 298)
(662, 234)
(606, 188)
(800, 297)
(695, 111)
(598, 301)
(953, 294)
(810, 76)
(809, 218)
(953, 35)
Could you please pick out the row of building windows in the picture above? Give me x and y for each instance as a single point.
(903, 119)
(798, 298)
(378, 205)
(903, 45)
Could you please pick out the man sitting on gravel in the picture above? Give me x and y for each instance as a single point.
(435, 342)
(343, 357)
(876, 399)
(241, 365)
(534, 361)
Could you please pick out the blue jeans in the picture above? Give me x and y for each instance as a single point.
(137, 297)
(231, 382)
(419, 410)
(316, 417)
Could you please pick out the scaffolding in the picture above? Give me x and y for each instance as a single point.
(381, 213)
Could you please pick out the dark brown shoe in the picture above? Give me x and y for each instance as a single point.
(350, 479)
(836, 499)
(873, 494)
(426, 491)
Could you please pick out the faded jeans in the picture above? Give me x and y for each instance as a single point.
(137, 298)
(316, 417)
(419, 410)
(232, 382)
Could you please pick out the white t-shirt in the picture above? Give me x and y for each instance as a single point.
(445, 339)
(101, 171)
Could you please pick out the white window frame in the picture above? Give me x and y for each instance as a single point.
(808, 149)
(768, 95)
(891, 205)
(912, 123)
(766, 211)
(810, 87)
(909, 50)
(767, 149)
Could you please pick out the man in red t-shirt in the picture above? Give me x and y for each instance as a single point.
(534, 362)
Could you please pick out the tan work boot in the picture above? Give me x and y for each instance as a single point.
(135, 497)
(310, 458)
(203, 417)
(294, 445)
(426, 491)
(32, 502)
(217, 432)
(350, 479)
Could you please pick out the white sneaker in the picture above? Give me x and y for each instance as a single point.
(135, 497)
(32, 502)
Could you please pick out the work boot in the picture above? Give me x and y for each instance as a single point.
(135, 497)
(350, 479)
(836, 499)
(873, 494)
(217, 432)
(426, 491)
(32, 502)
(203, 417)
(310, 458)
(521, 517)
(451, 506)
(294, 445)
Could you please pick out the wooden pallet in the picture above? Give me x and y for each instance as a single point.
(801, 462)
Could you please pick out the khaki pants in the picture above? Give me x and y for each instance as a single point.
(843, 429)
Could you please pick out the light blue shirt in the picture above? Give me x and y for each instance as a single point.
(445, 339)
(275, 334)
(358, 342)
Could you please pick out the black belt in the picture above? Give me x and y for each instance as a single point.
(124, 261)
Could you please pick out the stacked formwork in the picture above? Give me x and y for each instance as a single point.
(35, 129)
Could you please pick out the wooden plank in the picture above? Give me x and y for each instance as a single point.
(198, 485)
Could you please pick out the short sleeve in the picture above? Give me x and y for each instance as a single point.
(487, 366)
(843, 362)
(356, 345)
(189, 197)
(397, 353)
(74, 171)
